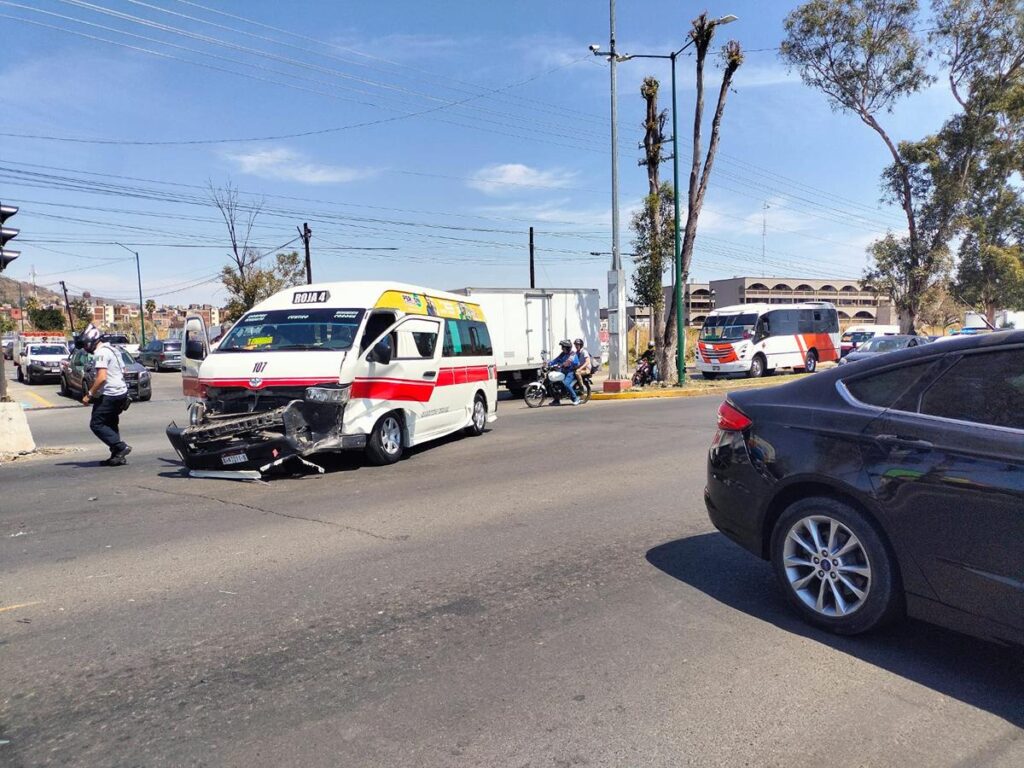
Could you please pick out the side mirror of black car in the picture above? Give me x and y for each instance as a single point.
(381, 352)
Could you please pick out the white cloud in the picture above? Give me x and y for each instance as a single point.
(512, 177)
(288, 165)
(557, 212)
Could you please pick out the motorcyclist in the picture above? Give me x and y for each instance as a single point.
(567, 362)
(585, 361)
(651, 358)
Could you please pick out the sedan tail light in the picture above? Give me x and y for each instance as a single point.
(731, 418)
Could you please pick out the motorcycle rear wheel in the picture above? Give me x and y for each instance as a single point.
(583, 390)
(534, 395)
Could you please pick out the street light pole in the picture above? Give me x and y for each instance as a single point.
(678, 251)
(142, 307)
(616, 275)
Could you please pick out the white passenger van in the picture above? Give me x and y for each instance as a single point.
(756, 339)
(336, 366)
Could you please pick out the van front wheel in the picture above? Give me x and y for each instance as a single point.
(478, 419)
(385, 443)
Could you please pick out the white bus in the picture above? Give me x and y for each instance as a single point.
(758, 339)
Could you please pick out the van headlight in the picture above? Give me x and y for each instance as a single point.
(329, 395)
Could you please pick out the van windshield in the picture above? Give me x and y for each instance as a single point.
(728, 327)
(293, 329)
(47, 349)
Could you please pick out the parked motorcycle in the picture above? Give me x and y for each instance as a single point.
(644, 374)
(550, 383)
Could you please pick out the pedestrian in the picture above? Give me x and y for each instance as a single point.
(108, 395)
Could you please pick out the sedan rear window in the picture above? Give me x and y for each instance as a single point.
(985, 388)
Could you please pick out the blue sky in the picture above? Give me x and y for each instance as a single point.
(447, 130)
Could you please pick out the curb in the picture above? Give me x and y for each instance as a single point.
(680, 392)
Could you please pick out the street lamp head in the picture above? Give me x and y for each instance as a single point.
(727, 19)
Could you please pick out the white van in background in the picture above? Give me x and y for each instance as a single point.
(371, 366)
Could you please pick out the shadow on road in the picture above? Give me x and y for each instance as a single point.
(981, 674)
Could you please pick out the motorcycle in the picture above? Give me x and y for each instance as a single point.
(644, 374)
(551, 383)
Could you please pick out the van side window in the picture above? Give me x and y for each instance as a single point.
(466, 338)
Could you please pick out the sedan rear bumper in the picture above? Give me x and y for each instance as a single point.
(735, 494)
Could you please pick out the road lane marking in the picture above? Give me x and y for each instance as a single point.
(18, 605)
(39, 398)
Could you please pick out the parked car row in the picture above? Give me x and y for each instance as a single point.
(889, 487)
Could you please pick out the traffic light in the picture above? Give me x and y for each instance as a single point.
(6, 234)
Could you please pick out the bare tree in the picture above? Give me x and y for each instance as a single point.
(702, 33)
(239, 219)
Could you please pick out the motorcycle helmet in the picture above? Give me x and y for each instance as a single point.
(578, 342)
(90, 338)
(650, 345)
(565, 344)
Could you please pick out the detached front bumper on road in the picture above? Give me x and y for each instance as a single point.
(257, 441)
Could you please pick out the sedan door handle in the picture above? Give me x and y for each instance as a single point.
(904, 442)
(429, 374)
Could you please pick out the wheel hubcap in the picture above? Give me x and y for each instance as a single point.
(390, 436)
(478, 414)
(827, 566)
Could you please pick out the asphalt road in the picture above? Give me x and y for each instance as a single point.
(548, 594)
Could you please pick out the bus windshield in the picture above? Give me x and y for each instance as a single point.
(728, 327)
(293, 329)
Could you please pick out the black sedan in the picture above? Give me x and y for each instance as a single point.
(894, 486)
(879, 345)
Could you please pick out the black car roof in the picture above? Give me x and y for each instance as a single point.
(821, 385)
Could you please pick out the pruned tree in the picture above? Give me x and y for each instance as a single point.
(81, 311)
(702, 32)
(150, 309)
(653, 225)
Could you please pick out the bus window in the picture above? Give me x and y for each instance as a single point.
(728, 327)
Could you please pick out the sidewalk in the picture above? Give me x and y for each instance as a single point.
(695, 386)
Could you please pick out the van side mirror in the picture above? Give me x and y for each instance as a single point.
(194, 350)
(381, 352)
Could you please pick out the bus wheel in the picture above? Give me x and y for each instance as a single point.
(757, 366)
(811, 362)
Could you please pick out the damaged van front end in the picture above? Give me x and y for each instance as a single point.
(276, 425)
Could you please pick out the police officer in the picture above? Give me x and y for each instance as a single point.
(108, 395)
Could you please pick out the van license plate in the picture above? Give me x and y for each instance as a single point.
(716, 367)
(234, 458)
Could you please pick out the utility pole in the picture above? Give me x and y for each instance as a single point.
(21, 305)
(617, 334)
(306, 233)
(533, 280)
(67, 306)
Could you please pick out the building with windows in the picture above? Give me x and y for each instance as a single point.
(853, 301)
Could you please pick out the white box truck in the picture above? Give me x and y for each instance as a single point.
(526, 325)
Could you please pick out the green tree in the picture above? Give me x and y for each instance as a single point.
(653, 232)
(7, 325)
(864, 56)
(81, 311)
(47, 319)
(150, 309)
(257, 283)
